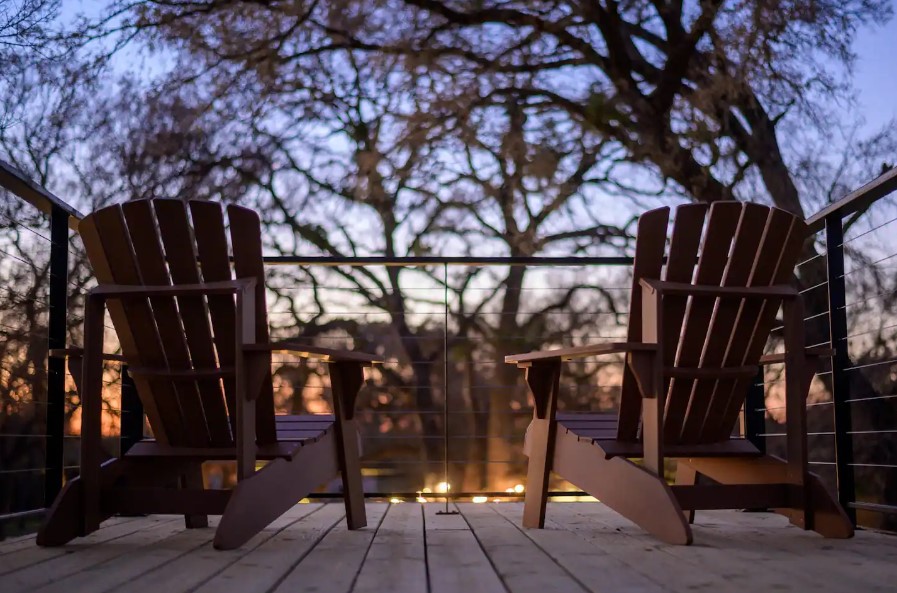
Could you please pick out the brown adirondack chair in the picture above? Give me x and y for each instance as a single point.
(194, 335)
(695, 341)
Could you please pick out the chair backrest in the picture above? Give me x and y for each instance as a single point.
(724, 244)
(171, 242)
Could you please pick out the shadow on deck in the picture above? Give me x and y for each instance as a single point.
(409, 548)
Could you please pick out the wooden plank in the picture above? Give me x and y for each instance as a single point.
(522, 566)
(590, 563)
(579, 352)
(866, 544)
(214, 257)
(775, 265)
(649, 247)
(246, 241)
(685, 240)
(63, 566)
(746, 247)
(455, 560)
(435, 521)
(177, 239)
(803, 559)
(646, 555)
(25, 552)
(190, 571)
(150, 449)
(151, 262)
(118, 572)
(790, 555)
(128, 337)
(117, 245)
(721, 226)
(262, 568)
(396, 559)
(736, 447)
(341, 551)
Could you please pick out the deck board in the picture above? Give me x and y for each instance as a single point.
(396, 560)
(409, 547)
(341, 551)
(455, 559)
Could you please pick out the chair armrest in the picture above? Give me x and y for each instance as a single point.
(313, 352)
(814, 351)
(125, 291)
(79, 353)
(783, 291)
(579, 352)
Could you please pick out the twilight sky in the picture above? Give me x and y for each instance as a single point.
(876, 73)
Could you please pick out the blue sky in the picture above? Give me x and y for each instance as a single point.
(876, 73)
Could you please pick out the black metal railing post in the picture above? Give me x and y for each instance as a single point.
(834, 251)
(59, 263)
(131, 412)
(755, 413)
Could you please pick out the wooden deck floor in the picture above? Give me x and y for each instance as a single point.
(409, 548)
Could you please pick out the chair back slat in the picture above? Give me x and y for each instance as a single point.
(735, 245)
(96, 253)
(786, 234)
(649, 248)
(745, 250)
(176, 237)
(213, 254)
(155, 242)
(150, 262)
(246, 239)
(721, 226)
(118, 251)
(685, 240)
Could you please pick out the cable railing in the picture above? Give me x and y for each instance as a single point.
(444, 417)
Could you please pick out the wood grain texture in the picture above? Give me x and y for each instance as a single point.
(648, 262)
(707, 325)
(184, 318)
(721, 226)
(396, 560)
(342, 551)
(212, 254)
(193, 325)
(585, 547)
(522, 566)
(745, 249)
(246, 242)
(451, 544)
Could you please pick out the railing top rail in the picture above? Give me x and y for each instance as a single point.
(19, 184)
(856, 200)
(439, 260)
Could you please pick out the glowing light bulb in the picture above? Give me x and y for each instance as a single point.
(518, 488)
(480, 499)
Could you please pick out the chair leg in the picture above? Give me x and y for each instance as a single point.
(543, 379)
(641, 496)
(686, 476)
(350, 471)
(273, 490)
(826, 515)
(539, 445)
(346, 379)
(63, 522)
(191, 479)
